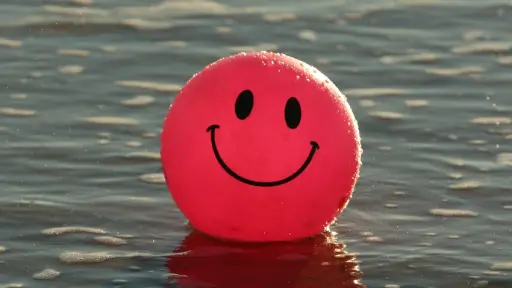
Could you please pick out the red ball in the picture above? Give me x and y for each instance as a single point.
(260, 147)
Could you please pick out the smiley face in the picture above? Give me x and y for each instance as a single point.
(241, 149)
(292, 117)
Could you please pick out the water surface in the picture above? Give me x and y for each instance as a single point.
(86, 84)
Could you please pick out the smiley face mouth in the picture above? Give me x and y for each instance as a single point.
(314, 147)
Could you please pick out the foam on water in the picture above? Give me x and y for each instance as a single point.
(74, 52)
(72, 229)
(223, 30)
(413, 58)
(149, 135)
(373, 239)
(133, 144)
(46, 274)
(465, 185)
(455, 175)
(502, 266)
(108, 49)
(74, 257)
(167, 8)
(385, 148)
(254, 48)
(9, 111)
(387, 115)
(144, 155)
(109, 240)
(469, 70)
(74, 11)
(504, 158)
(482, 48)
(139, 101)
(13, 285)
(160, 87)
(373, 92)
(474, 35)
(111, 120)
(125, 236)
(10, 43)
(491, 120)
(494, 273)
(71, 69)
(452, 212)
(153, 178)
(142, 24)
(415, 103)
(505, 60)
(367, 103)
(18, 96)
(477, 142)
(308, 35)
(280, 17)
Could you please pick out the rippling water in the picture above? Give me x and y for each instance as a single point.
(85, 86)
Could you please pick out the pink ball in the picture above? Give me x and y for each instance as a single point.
(260, 147)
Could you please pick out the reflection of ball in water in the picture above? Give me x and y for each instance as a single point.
(260, 147)
(317, 262)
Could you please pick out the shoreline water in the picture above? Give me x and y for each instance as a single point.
(86, 85)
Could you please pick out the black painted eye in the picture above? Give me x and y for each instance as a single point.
(292, 113)
(243, 104)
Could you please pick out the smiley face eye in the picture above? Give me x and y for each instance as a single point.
(292, 113)
(244, 103)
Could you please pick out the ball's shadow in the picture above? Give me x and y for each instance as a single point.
(318, 262)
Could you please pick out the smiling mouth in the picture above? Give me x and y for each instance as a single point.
(314, 147)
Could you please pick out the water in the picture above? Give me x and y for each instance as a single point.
(85, 86)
